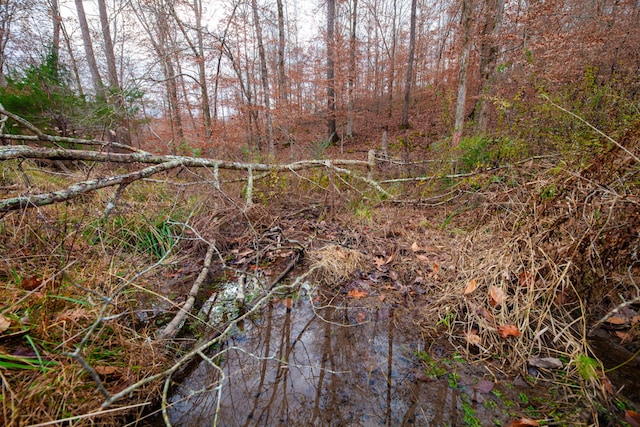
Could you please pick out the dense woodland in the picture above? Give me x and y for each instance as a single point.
(198, 77)
(462, 175)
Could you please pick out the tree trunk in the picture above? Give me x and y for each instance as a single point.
(462, 74)
(412, 49)
(488, 57)
(331, 93)
(57, 24)
(353, 45)
(282, 77)
(108, 46)
(265, 79)
(392, 57)
(202, 75)
(88, 50)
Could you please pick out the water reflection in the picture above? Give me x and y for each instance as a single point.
(334, 367)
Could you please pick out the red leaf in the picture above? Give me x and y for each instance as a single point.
(31, 283)
(288, 302)
(508, 330)
(356, 293)
(632, 417)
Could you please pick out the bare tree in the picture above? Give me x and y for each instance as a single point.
(108, 46)
(283, 91)
(265, 78)
(98, 86)
(331, 91)
(353, 46)
(489, 49)
(412, 49)
(462, 73)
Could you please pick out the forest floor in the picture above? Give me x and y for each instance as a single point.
(516, 286)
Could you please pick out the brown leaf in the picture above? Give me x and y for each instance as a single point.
(485, 313)
(416, 248)
(382, 297)
(105, 370)
(525, 278)
(422, 258)
(361, 317)
(616, 320)
(508, 330)
(545, 362)
(496, 296)
(524, 422)
(31, 283)
(622, 335)
(632, 418)
(473, 338)
(287, 302)
(356, 293)
(473, 284)
(4, 323)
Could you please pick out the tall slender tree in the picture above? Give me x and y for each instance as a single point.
(98, 86)
(409, 79)
(331, 72)
(462, 73)
(265, 78)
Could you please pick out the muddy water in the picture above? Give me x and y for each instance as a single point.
(332, 366)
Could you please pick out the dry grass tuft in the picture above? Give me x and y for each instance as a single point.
(334, 264)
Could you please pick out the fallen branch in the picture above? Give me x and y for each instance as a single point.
(163, 163)
(75, 190)
(174, 326)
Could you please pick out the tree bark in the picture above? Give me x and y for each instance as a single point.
(407, 84)
(55, 43)
(108, 46)
(462, 73)
(98, 86)
(265, 79)
(353, 46)
(488, 57)
(331, 92)
(282, 77)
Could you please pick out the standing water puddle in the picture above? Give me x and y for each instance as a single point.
(332, 366)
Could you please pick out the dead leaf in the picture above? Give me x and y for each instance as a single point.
(416, 248)
(484, 386)
(473, 284)
(31, 283)
(361, 317)
(4, 323)
(393, 275)
(508, 330)
(105, 370)
(496, 296)
(485, 313)
(635, 320)
(616, 320)
(632, 417)
(382, 297)
(436, 268)
(622, 335)
(525, 278)
(545, 362)
(473, 338)
(287, 302)
(422, 258)
(525, 422)
(356, 293)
